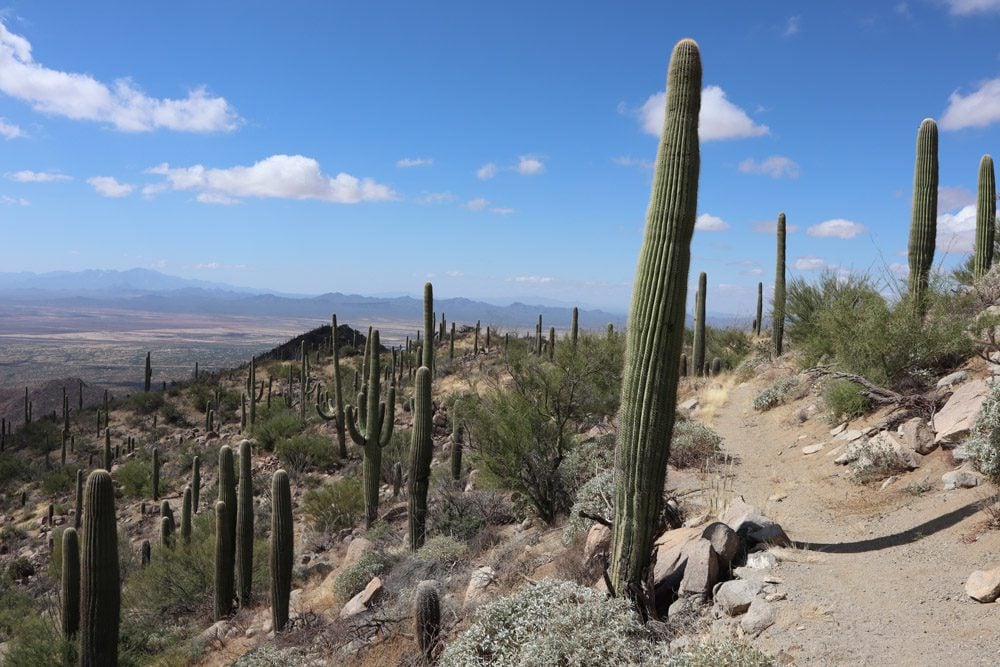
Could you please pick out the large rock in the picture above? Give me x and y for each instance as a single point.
(701, 570)
(734, 597)
(752, 526)
(918, 436)
(598, 541)
(759, 617)
(362, 600)
(954, 378)
(961, 479)
(984, 585)
(355, 550)
(956, 418)
(670, 556)
(479, 581)
(724, 540)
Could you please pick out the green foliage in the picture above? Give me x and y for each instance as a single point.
(59, 480)
(275, 424)
(983, 445)
(143, 403)
(845, 400)
(443, 549)
(774, 395)
(13, 469)
(397, 451)
(334, 506)
(718, 653)
(463, 515)
(355, 577)
(306, 452)
(595, 499)
(134, 478)
(693, 444)
(31, 638)
(551, 624)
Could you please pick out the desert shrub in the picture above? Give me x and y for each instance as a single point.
(275, 424)
(693, 444)
(135, 478)
(876, 460)
(443, 549)
(730, 345)
(983, 445)
(31, 638)
(586, 460)
(774, 395)
(845, 400)
(59, 479)
(397, 451)
(551, 623)
(595, 499)
(143, 402)
(355, 577)
(716, 653)
(268, 655)
(463, 515)
(303, 452)
(12, 469)
(173, 415)
(335, 506)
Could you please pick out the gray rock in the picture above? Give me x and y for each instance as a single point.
(761, 560)
(724, 541)
(690, 404)
(734, 597)
(759, 617)
(812, 449)
(961, 479)
(984, 585)
(954, 420)
(702, 568)
(360, 602)
(960, 454)
(849, 436)
(751, 525)
(355, 549)
(954, 378)
(918, 436)
(837, 430)
(479, 581)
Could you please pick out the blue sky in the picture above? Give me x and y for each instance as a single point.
(498, 149)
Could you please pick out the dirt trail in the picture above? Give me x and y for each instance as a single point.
(882, 583)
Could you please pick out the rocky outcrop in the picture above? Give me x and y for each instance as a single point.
(955, 419)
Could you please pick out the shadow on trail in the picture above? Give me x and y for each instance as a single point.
(914, 534)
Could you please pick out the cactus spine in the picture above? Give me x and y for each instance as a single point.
(186, 516)
(427, 619)
(649, 382)
(698, 348)
(195, 483)
(227, 494)
(420, 458)
(986, 217)
(244, 528)
(70, 583)
(223, 562)
(281, 548)
(760, 309)
(100, 585)
(923, 223)
(778, 308)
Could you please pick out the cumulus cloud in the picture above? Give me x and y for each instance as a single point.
(121, 103)
(477, 204)
(979, 108)
(776, 166)
(966, 7)
(109, 186)
(13, 201)
(9, 130)
(793, 25)
(28, 176)
(487, 171)
(771, 227)
(277, 176)
(710, 223)
(529, 165)
(810, 263)
(749, 267)
(435, 198)
(719, 118)
(838, 228)
(408, 162)
(956, 232)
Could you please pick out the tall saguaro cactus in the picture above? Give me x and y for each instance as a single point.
(427, 359)
(698, 348)
(336, 411)
(778, 309)
(186, 515)
(149, 374)
(227, 494)
(100, 583)
(244, 528)
(923, 223)
(195, 483)
(223, 562)
(281, 548)
(70, 583)
(574, 330)
(421, 448)
(986, 217)
(760, 308)
(655, 331)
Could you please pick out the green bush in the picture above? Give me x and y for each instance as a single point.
(397, 451)
(143, 403)
(463, 515)
(983, 445)
(586, 460)
(60, 479)
(693, 444)
(135, 477)
(13, 469)
(355, 577)
(551, 624)
(304, 452)
(276, 424)
(845, 400)
(596, 499)
(775, 395)
(32, 637)
(443, 549)
(335, 506)
(730, 345)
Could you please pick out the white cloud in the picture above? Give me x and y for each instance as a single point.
(629, 161)
(811, 263)
(950, 198)
(122, 103)
(792, 25)
(956, 232)
(11, 201)
(977, 109)
(406, 162)
(435, 198)
(9, 130)
(899, 269)
(710, 223)
(532, 280)
(771, 227)
(454, 274)
(966, 7)
(108, 186)
(719, 118)
(28, 176)
(216, 266)
(501, 210)
(487, 171)
(837, 228)
(529, 165)
(903, 9)
(750, 267)
(477, 204)
(775, 166)
(277, 176)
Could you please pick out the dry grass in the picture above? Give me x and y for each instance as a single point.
(712, 398)
(796, 555)
(814, 611)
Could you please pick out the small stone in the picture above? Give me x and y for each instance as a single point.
(777, 498)
(954, 378)
(918, 436)
(690, 404)
(759, 617)
(960, 479)
(761, 560)
(960, 454)
(849, 436)
(887, 481)
(812, 449)
(734, 597)
(984, 585)
(775, 597)
(837, 430)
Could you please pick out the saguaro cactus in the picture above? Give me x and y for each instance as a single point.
(281, 548)
(149, 374)
(156, 474)
(244, 528)
(698, 348)
(649, 381)
(108, 459)
(778, 308)
(427, 618)
(195, 483)
(227, 494)
(574, 330)
(456, 445)
(336, 411)
(79, 499)
(186, 516)
(100, 583)
(760, 309)
(145, 553)
(427, 358)
(986, 217)
(223, 562)
(421, 448)
(70, 583)
(923, 223)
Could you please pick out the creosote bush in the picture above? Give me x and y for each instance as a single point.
(443, 549)
(276, 424)
(717, 653)
(334, 506)
(303, 452)
(983, 445)
(774, 395)
(693, 444)
(596, 498)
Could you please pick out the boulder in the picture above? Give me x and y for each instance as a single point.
(670, 556)
(849, 436)
(984, 585)
(761, 560)
(360, 602)
(759, 617)
(837, 430)
(954, 378)
(960, 454)
(724, 540)
(812, 449)
(961, 479)
(479, 581)
(956, 418)
(734, 597)
(701, 570)
(918, 436)
(751, 525)
(598, 541)
(355, 550)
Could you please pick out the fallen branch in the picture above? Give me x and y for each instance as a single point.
(910, 403)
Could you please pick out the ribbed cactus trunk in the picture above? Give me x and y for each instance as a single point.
(427, 619)
(538, 337)
(223, 562)
(552, 343)
(655, 331)
(186, 516)
(100, 583)
(108, 459)
(421, 448)
(145, 553)
(698, 348)
(244, 528)
(281, 548)
(778, 308)
(227, 494)
(574, 331)
(195, 484)
(149, 374)
(427, 358)
(156, 474)
(760, 309)
(456, 446)
(451, 343)
(923, 223)
(338, 392)
(79, 499)
(475, 341)
(70, 597)
(986, 217)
